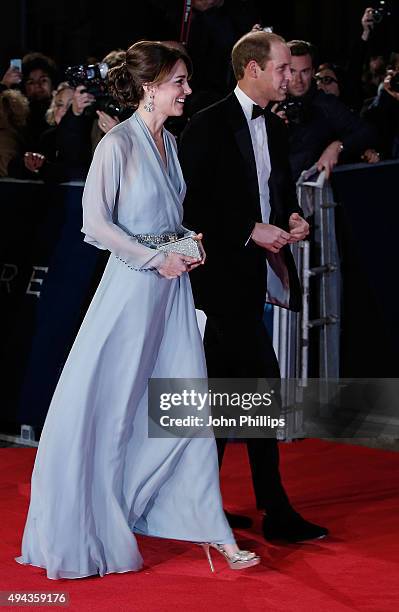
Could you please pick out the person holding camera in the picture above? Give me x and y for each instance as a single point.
(111, 113)
(35, 161)
(322, 130)
(63, 151)
(383, 112)
(74, 135)
(12, 77)
(93, 112)
(62, 154)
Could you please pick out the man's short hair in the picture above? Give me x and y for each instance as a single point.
(302, 47)
(253, 46)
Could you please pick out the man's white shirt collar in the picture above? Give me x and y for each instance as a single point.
(246, 102)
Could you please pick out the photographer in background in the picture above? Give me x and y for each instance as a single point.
(67, 149)
(63, 151)
(322, 130)
(366, 65)
(383, 112)
(74, 134)
(107, 120)
(93, 112)
(56, 160)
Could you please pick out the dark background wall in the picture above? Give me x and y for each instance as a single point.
(72, 31)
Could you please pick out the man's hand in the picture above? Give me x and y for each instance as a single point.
(329, 157)
(367, 23)
(106, 122)
(371, 156)
(270, 237)
(81, 100)
(279, 113)
(387, 85)
(299, 228)
(13, 76)
(33, 161)
(175, 265)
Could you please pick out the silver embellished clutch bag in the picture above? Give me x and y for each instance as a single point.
(184, 246)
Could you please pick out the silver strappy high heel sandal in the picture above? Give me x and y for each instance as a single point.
(238, 560)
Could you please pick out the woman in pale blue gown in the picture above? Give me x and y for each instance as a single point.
(98, 477)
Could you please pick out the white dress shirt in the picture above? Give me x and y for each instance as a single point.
(257, 129)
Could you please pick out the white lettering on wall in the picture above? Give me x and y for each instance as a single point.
(36, 281)
(8, 273)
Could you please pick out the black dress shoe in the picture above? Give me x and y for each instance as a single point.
(293, 529)
(238, 521)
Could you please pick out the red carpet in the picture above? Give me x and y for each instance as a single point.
(352, 490)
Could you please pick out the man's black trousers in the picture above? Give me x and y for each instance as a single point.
(238, 346)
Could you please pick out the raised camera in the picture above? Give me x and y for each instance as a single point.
(293, 109)
(380, 12)
(92, 76)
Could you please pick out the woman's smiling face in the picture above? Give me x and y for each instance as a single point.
(170, 95)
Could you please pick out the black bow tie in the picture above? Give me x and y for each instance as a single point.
(257, 111)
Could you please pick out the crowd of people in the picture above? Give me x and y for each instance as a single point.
(50, 126)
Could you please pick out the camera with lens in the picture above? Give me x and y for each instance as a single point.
(93, 78)
(293, 109)
(380, 12)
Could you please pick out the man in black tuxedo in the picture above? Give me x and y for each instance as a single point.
(240, 193)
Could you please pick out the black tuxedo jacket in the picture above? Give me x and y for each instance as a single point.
(222, 202)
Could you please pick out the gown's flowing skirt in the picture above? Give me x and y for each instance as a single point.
(97, 475)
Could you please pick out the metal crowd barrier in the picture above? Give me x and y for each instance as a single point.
(291, 331)
(348, 326)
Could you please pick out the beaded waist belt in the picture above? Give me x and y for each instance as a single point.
(155, 239)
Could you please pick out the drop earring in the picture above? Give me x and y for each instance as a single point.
(149, 103)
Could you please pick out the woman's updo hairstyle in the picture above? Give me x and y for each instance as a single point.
(147, 62)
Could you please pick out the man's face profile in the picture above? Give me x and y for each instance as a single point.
(274, 78)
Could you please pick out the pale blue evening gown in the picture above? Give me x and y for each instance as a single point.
(97, 476)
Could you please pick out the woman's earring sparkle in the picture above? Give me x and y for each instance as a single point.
(149, 103)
